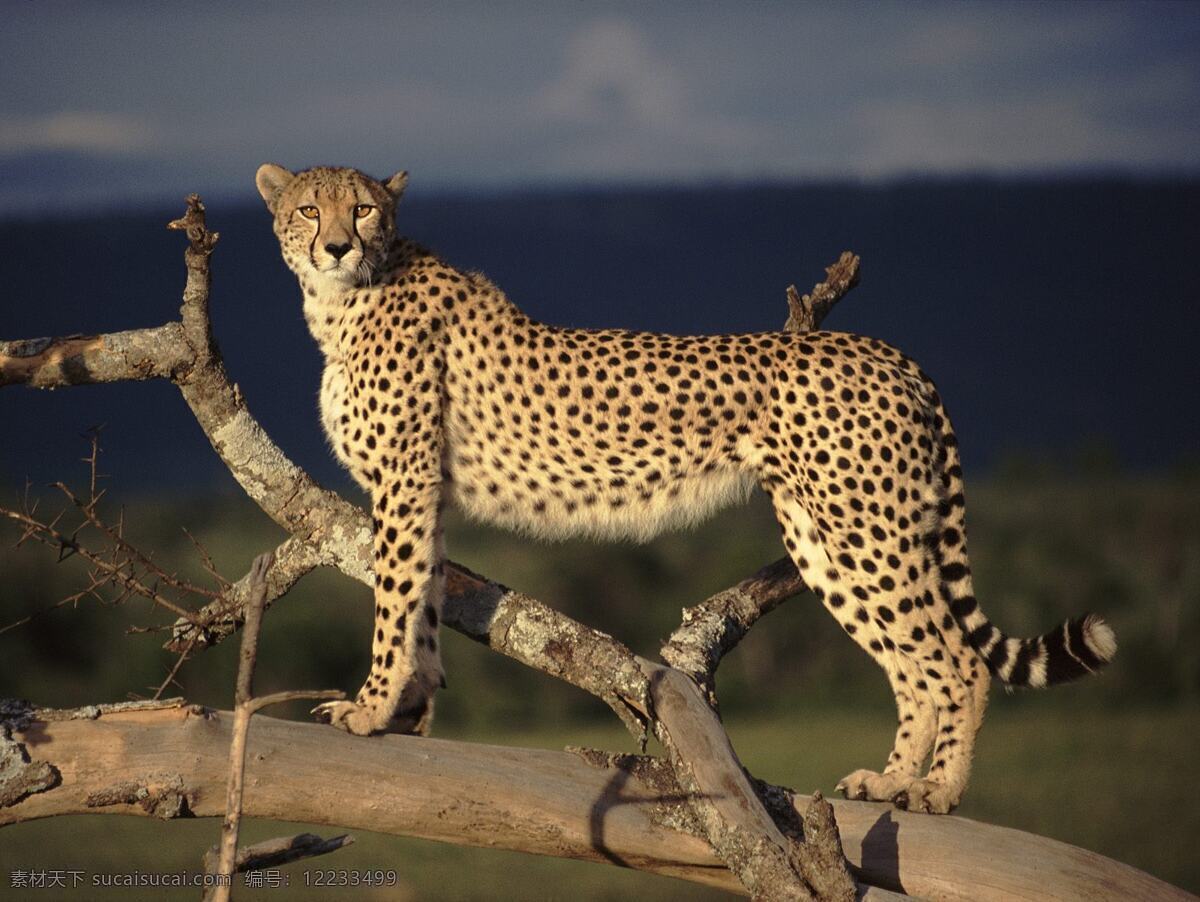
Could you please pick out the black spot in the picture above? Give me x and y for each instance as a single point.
(954, 572)
(962, 607)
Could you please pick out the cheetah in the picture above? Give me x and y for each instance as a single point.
(437, 389)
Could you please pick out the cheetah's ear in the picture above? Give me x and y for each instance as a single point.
(396, 184)
(271, 180)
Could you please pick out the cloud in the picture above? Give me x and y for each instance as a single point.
(612, 75)
(967, 136)
(477, 94)
(1114, 118)
(621, 104)
(980, 36)
(80, 131)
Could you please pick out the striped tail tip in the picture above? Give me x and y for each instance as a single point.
(1100, 637)
(1077, 648)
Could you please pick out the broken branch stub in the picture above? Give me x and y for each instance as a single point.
(806, 313)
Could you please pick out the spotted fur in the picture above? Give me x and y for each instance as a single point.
(437, 389)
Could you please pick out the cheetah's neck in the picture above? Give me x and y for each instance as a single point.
(325, 303)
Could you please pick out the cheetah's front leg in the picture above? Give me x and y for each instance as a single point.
(406, 667)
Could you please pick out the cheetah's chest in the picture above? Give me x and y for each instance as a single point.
(336, 411)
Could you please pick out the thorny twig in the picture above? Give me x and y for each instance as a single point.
(131, 552)
(121, 574)
(180, 659)
(120, 567)
(207, 562)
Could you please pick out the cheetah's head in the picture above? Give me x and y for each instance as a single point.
(334, 225)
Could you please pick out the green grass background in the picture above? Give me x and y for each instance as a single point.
(1104, 764)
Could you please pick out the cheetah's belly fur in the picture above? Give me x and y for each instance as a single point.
(603, 449)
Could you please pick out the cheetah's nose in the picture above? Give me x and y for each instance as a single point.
(337, 251)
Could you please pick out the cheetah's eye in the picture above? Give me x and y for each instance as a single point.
(310, 212)
(362, 211)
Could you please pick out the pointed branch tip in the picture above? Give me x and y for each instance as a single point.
(201, 239)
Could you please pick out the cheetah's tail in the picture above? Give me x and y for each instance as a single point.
(1074, 649)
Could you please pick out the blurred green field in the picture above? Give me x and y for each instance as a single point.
(1100, 764)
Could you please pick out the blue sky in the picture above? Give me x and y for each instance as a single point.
(112, 102)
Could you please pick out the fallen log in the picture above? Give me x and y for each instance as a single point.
(620, 809)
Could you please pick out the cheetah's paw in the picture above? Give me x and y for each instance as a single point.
(349, 716)
(928, 796)
(869, 786)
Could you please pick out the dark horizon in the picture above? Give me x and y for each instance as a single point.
(167, 202)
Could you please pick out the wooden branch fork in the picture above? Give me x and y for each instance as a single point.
(695, 814)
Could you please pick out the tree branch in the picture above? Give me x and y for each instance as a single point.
(714, 627)
(223, 616)
(623, 810)
(726, 809)
(731, 816)
(158, 353)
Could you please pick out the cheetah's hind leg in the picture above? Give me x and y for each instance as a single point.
(890, 612)
(914, 740)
